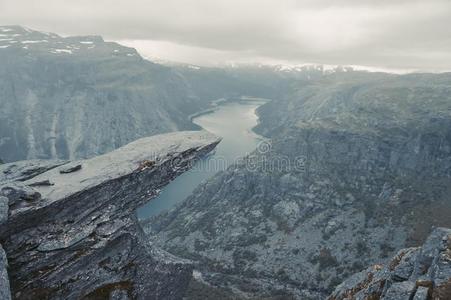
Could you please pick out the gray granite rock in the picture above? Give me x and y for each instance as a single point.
(4, 209)
(5, 293)
(404, 269)
(396, 281)
(421, 293)
(400, 291)
(80, 238)
(24, 170)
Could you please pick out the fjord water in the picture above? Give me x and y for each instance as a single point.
(233, 122)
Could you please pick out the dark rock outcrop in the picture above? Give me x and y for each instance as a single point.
(5, 293)
(70, 169)
(4, 208)
(415, 273)
(79, 238)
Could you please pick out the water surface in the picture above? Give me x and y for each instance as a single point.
(233, 121)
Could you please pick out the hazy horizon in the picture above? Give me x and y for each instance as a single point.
(395, 36)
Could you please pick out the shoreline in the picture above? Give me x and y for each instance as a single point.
(215, 104)
(244, 135)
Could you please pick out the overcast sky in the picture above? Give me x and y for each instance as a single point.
(394, 34)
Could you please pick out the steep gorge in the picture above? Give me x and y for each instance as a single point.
(375, 153)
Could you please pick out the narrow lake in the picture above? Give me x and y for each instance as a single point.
(233, 121)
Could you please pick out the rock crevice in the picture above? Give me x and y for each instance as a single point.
(79, 237)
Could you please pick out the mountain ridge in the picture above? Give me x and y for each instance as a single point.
(77, 97)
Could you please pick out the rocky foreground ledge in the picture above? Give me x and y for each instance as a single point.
(69, 229)
(422, 273)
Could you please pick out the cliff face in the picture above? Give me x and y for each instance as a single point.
(71, 230)
(419, 273)
(355, 170)
(78, 97)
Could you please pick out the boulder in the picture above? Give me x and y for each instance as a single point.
(414, 273)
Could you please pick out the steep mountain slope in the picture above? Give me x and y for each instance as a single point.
(81, 96)
(358, 166)
(70, 231)
(76, 97)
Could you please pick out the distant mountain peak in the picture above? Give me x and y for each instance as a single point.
(19, 38)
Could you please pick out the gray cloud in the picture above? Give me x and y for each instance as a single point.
(401, 34)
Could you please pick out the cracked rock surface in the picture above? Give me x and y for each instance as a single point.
(79, 238)
(414, 273)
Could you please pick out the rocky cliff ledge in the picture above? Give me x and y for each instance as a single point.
(69, 229)
(420, 273)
